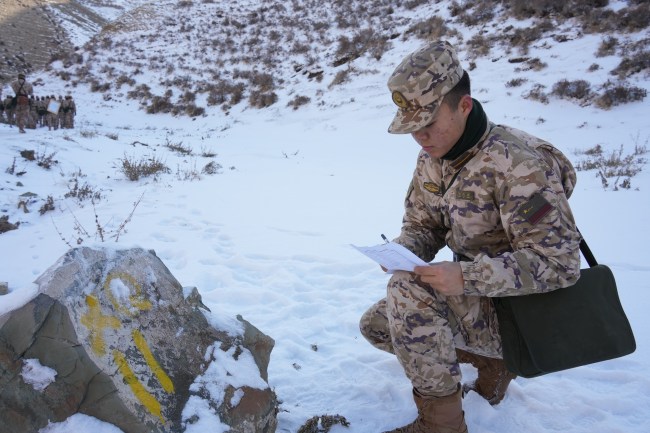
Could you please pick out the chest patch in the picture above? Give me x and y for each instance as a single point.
(535, 209)
(432, 187)
(465, 195)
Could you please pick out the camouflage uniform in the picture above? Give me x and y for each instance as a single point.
(60, 117)
(69, 110)
(72, 113)
(502, 206)
(22, 89)
(50, 117)
(32, 120)
(41, 109)
(10, 111)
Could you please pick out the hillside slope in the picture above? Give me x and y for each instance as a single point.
(35, 32)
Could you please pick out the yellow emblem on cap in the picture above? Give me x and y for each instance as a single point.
(400, 100)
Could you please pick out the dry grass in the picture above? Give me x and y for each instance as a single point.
(250, 54)
(615, 169)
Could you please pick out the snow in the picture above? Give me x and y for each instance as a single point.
(81, 423)
(269, 236)
(37, 375)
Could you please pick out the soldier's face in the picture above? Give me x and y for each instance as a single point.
(438, 137)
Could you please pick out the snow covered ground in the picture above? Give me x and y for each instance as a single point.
(268, 235)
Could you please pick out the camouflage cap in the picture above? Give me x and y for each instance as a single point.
(420, 82)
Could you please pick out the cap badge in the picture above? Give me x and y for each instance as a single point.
(400, 100)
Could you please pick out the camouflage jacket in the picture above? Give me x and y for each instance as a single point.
(503, 205)
(23, 87)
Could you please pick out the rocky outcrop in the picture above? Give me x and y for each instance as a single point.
(116, 339)
(32, 33)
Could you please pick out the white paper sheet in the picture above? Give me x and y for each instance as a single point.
(392, 256)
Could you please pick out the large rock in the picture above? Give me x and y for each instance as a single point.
(124, 345)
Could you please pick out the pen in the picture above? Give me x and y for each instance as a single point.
(384, 238)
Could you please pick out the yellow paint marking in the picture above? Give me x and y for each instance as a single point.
(137, 300)
(95, 321)
(142, 345)
(147, 400)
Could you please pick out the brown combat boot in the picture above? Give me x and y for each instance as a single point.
(437, 415)
(493, 376)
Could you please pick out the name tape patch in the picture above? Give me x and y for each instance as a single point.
(465, 195)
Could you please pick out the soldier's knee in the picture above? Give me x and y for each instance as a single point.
(373, 318)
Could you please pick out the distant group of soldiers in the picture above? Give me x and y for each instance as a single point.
(28, 111)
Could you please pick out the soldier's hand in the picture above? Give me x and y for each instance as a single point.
(445, 277)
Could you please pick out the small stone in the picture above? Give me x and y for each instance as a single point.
(4, 288)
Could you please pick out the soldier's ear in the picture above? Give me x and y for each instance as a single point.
(465, 105)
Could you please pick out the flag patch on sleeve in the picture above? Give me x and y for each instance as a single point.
(535, 209)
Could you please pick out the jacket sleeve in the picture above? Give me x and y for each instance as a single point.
(538, 221)
(422, 230)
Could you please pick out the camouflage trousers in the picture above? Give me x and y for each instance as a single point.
(52, 121)
(423, 328)
(22, 116)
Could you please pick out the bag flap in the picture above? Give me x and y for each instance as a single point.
(576, 325)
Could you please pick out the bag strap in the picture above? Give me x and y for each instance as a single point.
(586, 252)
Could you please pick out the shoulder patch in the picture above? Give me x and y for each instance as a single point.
(432, 187)
(535, 209)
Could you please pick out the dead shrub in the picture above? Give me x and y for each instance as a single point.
(12, 168)
(261, 99)
(262, 80)
(135, 169)
(323, 423)
(96, 86)
(537, 93)
(617, 94)
(342, 76)
(577, 89)
(193, 110)
(516, 82)
(365, 41)
(47, 206)
(188, 96)
(544, 8)
(523, 37)
(479, 15)
(615, 167)
(634, 19)
(430, 29)
(479, 45)
(412, 4)
(160, 104)
(211, 167)
(81, 191)
(298, 101)
(141, 91)
(607, 47)
(633, 64)
(535, 64)
(178, 147)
